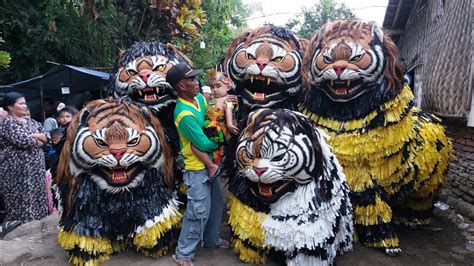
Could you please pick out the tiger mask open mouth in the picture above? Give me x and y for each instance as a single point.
(346, 66)
(121, 175)
(271, 193)
(153, 95)
(342, 89)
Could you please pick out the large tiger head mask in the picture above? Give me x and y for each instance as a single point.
(265, 65)
(347, 60)
(277, 151)
(140, 74)
(114, 143)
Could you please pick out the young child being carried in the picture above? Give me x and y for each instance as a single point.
(219, 118)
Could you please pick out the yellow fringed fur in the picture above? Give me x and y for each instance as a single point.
(376, 157)
(150, 236)
(246, 222)
(248, 255)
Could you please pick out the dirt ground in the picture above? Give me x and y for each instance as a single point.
(441, 243)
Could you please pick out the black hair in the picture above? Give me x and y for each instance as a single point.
(59, 131)
(68, 109)
(49, 100)
(10, 99)
(285, 34)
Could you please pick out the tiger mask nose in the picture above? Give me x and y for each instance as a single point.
(260, 170)
(261, 63)
(118, 153)
(339, 69)
(145, 74)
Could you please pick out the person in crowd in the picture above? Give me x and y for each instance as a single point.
(3, 114)
(203, 214)
(28, 114)
(53, 151)
(22, 170)
(51, 121)
(65, 115)
(55, 135)
(64, 119)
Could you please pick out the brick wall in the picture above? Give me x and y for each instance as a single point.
(458, 191)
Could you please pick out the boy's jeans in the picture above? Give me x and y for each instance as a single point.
(203, 214)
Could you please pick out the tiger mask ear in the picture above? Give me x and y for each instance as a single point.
(394, 68)
(242, 38)
(376, 32)
(315, 43)
(171, 49)
(304, 43)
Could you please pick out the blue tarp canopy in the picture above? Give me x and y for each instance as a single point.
(78, 79)
(53, 83)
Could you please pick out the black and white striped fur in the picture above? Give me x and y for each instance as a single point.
(312, 222)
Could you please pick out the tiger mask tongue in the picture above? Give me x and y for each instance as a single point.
(119, 175)
(259, 96)
(265, 190)
(342, 91)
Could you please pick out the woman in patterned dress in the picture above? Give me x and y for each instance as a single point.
(22, 170)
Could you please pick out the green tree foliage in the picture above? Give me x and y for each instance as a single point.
(314, 17)
(5, 58)
(88, 33)
(224, 19)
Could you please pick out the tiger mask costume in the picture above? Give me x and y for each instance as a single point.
(287, 178)
(393, 154)
(265, 65)
(140, 74)
(116, 162)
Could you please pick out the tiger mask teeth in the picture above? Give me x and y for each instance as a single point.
(265, 79)
(268, 191)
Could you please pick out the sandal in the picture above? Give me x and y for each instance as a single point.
(182, 262)
(224, 244)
